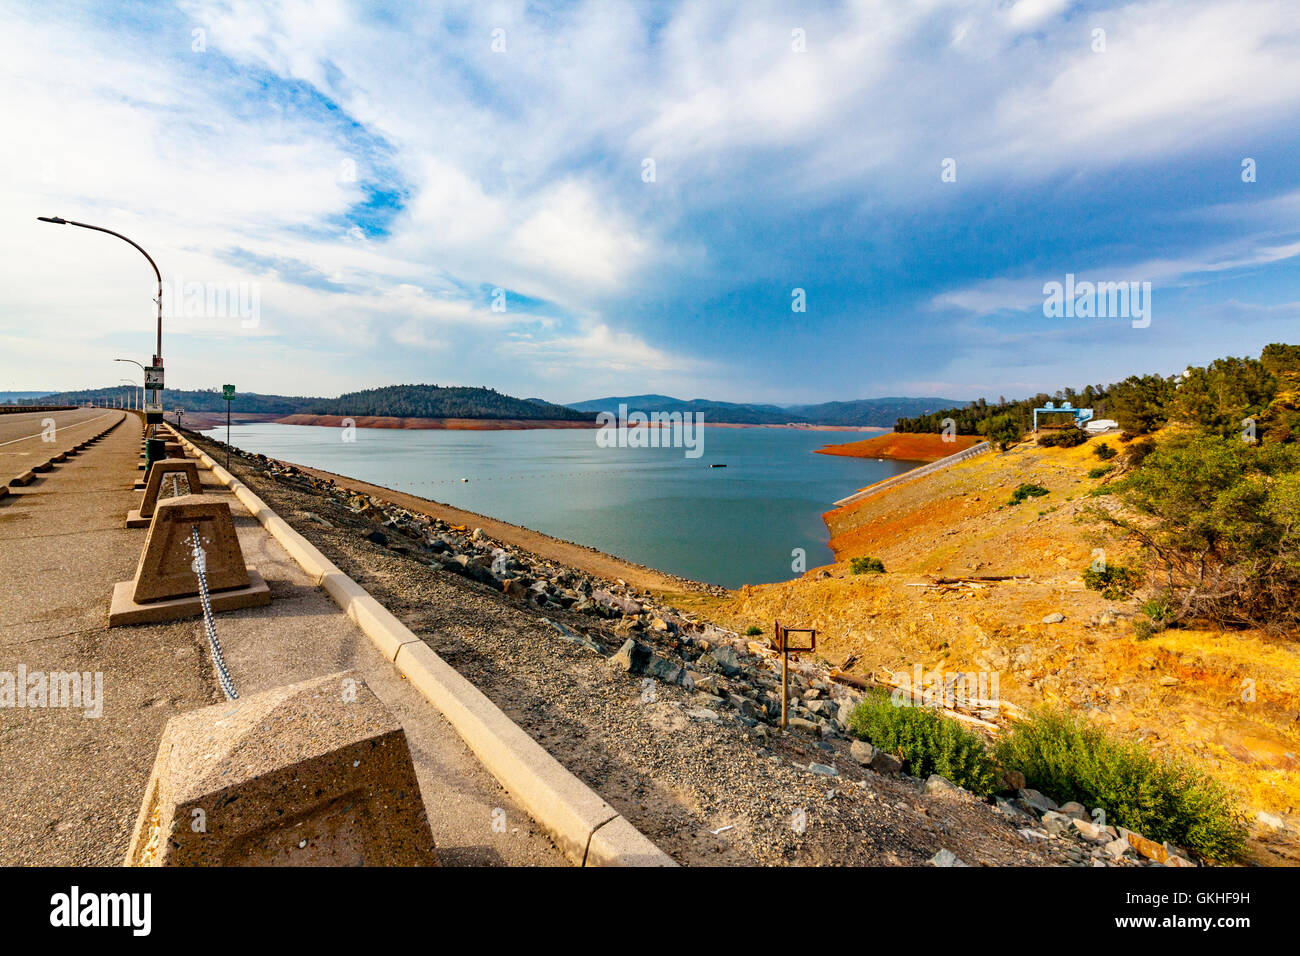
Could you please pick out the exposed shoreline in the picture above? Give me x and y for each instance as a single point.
(920, 447)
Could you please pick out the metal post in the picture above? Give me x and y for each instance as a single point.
(227, 434)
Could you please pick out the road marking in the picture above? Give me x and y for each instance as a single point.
(42, 431)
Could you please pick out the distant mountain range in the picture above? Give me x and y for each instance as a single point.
(881, 412)
(438, 401)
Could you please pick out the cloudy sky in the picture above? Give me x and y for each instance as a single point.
(643, 187)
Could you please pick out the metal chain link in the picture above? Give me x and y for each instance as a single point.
(210, 625)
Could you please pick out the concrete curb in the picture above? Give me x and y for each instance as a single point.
(588, 830)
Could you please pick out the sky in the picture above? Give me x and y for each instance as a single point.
(569, 201)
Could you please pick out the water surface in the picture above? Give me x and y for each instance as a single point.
(730, 526)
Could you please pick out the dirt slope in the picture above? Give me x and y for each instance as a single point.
(1184, 692)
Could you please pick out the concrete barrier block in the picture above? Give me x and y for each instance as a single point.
(618, 843)
(312, 774)
(153, 485)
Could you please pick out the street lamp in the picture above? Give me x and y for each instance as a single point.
(157, 359)
(131, 394)
(141, 387)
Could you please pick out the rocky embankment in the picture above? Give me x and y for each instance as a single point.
(669, 716)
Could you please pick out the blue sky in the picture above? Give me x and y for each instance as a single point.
(376, 171)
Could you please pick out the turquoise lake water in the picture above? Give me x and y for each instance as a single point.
(730, 526)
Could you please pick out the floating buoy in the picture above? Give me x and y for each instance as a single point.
(464, 479)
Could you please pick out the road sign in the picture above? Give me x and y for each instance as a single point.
(228, 392)
(153, 377)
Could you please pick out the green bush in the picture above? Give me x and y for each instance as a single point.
(867, 565)
(1027, 491)
(1070, 759)
(926, 741)
(1063, 438)
(1100, 472)
(1104, 452)
(1114, 581)
(753, 630)
(1219, 520)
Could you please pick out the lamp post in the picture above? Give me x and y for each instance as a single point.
(131, 392)
(156, 393)
(141, 387)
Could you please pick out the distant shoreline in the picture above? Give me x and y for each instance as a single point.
(204, 420)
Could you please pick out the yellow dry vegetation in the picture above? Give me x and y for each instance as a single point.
(1225, 701)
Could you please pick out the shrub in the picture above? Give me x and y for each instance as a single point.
(867, 565)
(1105, 452)
(1138, 451)
(1002, 430)
(1063, 438)
(1100, 472)
(1027, 491)
(1218, 518)
(1070, 759)
(926, 741)
(1113, 581)
(753, 630)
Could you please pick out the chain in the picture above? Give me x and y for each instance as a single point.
(200, 568)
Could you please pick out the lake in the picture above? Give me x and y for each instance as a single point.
(730, 526)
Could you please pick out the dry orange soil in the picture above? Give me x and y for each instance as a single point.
(1224, 701)
(903, 446)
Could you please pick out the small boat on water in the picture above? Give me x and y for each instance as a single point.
(717, 466)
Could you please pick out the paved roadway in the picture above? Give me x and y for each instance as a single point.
(22, 435)
(71, 785)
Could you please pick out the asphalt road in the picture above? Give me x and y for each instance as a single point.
(23, 435)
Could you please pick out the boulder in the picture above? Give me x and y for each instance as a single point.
(862, 752)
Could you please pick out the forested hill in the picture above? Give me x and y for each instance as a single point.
(393, 401)
(437, 401)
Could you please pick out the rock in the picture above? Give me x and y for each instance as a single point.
(938, 784)
(1011, 780)
(727, 658)
(1147, 848)
(807, 726)
(378, 537)
(1076, 810)
(1116, 848)
(703, 713)
(1270, 820)
(476, 534)
(631, 657)
(885, 763)
(1055, 618)
(514, 587)
(825, 771)
(847, 706)
(708, 683)
(1090, 831)
(946, 858)
(862, 752)
(664, 670)
(1036, 800)
(1057, 824)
